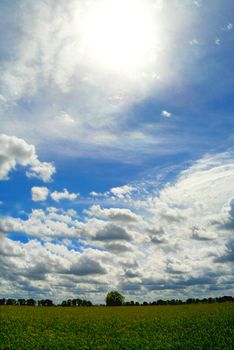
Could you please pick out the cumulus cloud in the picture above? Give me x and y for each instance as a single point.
(179, 245)
(16, 152)
(228, 256)
(112, 232)
(87, 266)
(118, 248)
(42, 193)
(94, 194)
(23, 264)
(115, 214)
(58, 196)
(201, 233)
(166, 114)
(44, 224)
(39, 193)
(122, 191)
(115, 193)
(227, 219)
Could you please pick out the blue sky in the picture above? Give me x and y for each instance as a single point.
(116, 148)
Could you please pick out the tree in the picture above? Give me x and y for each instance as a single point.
(69, 302)
(31, 302)
(161, 302)
(47, 302)
(114, 298)
(78, 302)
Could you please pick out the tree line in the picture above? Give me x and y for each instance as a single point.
(113, 298)
(180, 302)
(45, 302)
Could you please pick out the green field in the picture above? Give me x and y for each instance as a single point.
(208, 326)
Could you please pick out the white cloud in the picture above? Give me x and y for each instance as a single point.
(72, 212)
(15, 151)
(122, 191)
(3, 100)
(112, 233)
(66, 119)
(228, 27)
(166, 114)
(115, 214)
(25, 265)
(180, 244)
(76, 57)
(46, 224)
(197, 3)
(194, 42)
(59, 61)
(39, 193)
(95, 194)
(58, 196)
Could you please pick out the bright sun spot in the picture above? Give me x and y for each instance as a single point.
(119, 34)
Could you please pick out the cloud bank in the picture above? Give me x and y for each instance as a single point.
(175, 242)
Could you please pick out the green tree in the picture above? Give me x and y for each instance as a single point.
(114, 298)
(31, 302)
(78, 302)
(69, 302)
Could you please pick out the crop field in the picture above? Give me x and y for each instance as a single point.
(208, 326)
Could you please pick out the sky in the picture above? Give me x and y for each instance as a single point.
(116, 149)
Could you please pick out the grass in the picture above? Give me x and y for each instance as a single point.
(207, 326)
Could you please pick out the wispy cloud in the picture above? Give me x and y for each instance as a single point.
(52, 56)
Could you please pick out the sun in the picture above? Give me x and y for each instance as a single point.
(119, 34)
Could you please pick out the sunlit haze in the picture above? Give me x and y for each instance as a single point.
(120, 35)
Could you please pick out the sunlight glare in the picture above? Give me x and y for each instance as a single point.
(119, 34)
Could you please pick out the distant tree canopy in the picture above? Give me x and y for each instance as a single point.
(45, 302)
(76, 302)
(114, 298)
